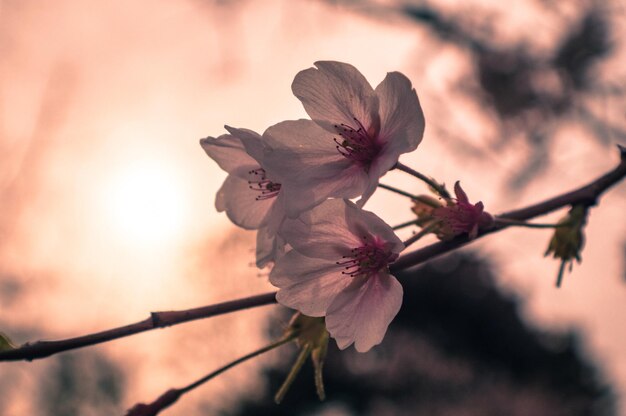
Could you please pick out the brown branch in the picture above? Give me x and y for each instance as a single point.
(42, 349)
(586, 195)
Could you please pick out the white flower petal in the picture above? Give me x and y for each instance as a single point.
(372, 185)
(229, 153)
(335, 93)
(300, 137)
(304, 195)
(306, 284)
(361, 222)
(386, 160)
(322, 232)
(239, 201)
(401, 117)
(267, 247)
(251, 141)
(362, 312)
(304, 159)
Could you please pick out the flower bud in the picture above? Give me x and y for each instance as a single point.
(312, 339)
(461, 216)
(568, 239)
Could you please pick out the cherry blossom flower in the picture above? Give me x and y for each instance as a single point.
(338, 268)
(461, 216)
(250, 197)
(356, 135)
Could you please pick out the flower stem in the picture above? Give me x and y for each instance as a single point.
(404, 225)
(413, 197)
(427, 229)
(559, 277)
(304, 354)
(441, 189)
(240, 360)
(172, 395)
(396, 190)
(507, 221)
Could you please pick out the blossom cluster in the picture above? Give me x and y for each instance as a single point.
(328, 257)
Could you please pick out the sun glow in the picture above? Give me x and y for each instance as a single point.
(145, 204)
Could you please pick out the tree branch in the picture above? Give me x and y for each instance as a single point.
(42, 349)
(586, 195)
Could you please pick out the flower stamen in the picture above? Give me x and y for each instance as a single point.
(356, 144)
(366, 260)
(260, 183)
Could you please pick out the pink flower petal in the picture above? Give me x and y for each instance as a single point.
(323, 232)
(239, 201)
(230, 154)
(306, 284)
(361, 313)
(335, 93)
(364, 223)
(269, 247)
(401, 117)
(304, 159)
(251, 142)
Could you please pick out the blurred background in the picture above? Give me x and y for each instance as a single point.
(107, 201)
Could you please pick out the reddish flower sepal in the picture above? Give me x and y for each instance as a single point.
(460, 216)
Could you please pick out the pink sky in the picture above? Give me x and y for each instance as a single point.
(109, 198)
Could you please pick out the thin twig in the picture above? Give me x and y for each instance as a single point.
(405, 224)
(172, 395)
(427, 229)
(397, 191)
(413, 197)
(42, 349)
(441, 190)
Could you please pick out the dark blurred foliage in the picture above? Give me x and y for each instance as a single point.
(78, 383)
(10, 289)
(81, 384)
(533, 91)
(457, 347)
(528, 90)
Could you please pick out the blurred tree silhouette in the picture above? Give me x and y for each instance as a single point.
(84, 383)
(457, 347)
(527, 88)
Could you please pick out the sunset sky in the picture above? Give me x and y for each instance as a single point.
(108, 199)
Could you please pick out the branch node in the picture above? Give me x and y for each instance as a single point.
(156, 319)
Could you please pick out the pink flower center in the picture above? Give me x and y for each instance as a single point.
(260, 183)
(368, 259)
(356, 144)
